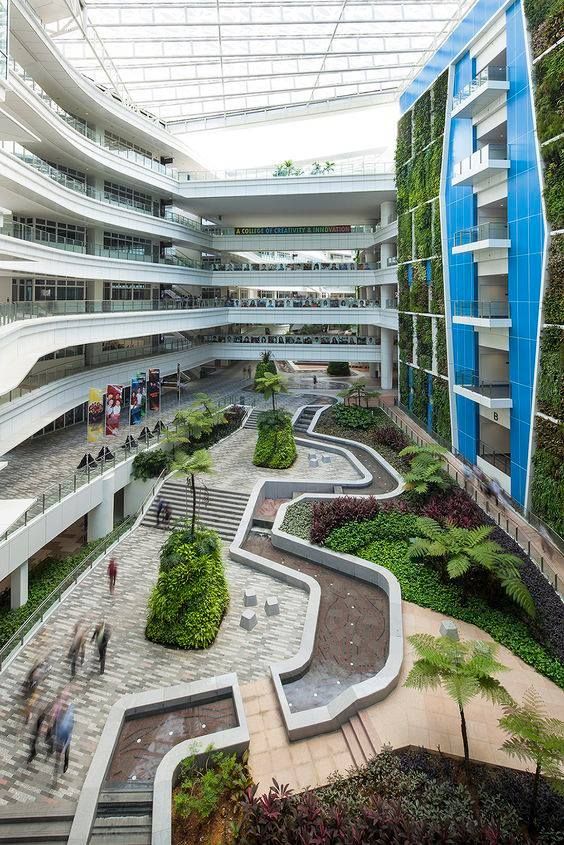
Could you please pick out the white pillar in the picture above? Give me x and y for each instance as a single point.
(387, 294)
(18, 585)
(135, 493)
(101, 518)
(387, 250)
(387, 212)
(387, 358)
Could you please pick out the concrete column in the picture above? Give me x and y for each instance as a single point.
(387, 212)
(135, 493)
(373, 368)
(387, 358)
(387, 250)
(387, 292)
(18, 585)
(101, 518)
(5, 288)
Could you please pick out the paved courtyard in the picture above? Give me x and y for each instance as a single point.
(133, 663)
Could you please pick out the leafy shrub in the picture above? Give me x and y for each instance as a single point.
(405, 337)
(276, 447)
(419, 290)
(424, 336)
(201, 791)
(392, 437)
(150, 464)
(403, 147)
(547, 489)
(441, 408)
(549, 80)
(423, 586)
(264, 367)
(272, 419)
(453, 506)
(190, 597)
(554, 298)
(403, 382)
(420, 397)
(338, 368)
(403, 288)
(405, 250)
(297, 520)
(553, 183)
(422, 231)
(389, 525)
(422, 122)
(441, 348)
(439, 93)
(353, 416)
(329, 514)
(437, 285)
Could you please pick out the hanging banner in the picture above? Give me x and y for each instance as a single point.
(154, 389)
(292, 230)
(138, 399)
(114, 398)
(95, 425)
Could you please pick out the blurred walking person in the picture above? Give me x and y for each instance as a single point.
(101, 635)
(112, 574)
(64, 727)
(38, 726)
(161, 504)
(78, 647)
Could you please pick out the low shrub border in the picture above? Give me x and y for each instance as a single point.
(276, 447)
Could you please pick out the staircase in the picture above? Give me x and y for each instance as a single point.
(304, 420)
(361, 738)
(252, 420)
(29, 824)
(220, 510)
(123, 817)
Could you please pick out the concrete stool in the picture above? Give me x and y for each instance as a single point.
(326, 459)
(448, 629)
(271, 606)
(250, 597)
(313, 462)
(248, 620)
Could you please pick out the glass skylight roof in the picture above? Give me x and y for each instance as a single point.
(218, 59)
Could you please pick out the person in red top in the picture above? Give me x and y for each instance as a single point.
(112, 574)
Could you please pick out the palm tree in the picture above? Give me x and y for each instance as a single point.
(269, 385)
(463, 669)
(199, 463)
(194, 423)
(212, 408)
(535, 737)
(462, 551)
(355, 391)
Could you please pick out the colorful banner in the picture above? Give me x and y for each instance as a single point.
(138, 399)
(95, 426)
(154, 389)
(114, 397)
(292, 230)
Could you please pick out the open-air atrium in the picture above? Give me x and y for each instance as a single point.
(281, 422)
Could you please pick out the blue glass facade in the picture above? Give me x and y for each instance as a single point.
(525, 221)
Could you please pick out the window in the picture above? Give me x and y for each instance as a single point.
(115, 142)
(116, 240)
(127, 196)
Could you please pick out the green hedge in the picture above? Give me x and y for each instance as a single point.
(436, 236)
(439, 96)
(422, 231)
(550, 389)
(545, 19)
(43, 580)
(441, 347)
(554, 183)
(420, 398)
(276, 447)
(403, 145)
(549, 83)
(441, 408)
(423, 586)
(402, 189)
(554, 297)
(338, 368)
(419, 290)
(422, 122)
(190, 597)
(405, 337)
(547, 488)
(403, 383)
(424, 342)
(405, 251)
(264, 367)
(433, 162)
(403, 288)
(437, 287)
(417, 180)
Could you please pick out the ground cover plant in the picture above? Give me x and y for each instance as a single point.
(370, 426)
(413, 797)
(207, 806)
(190, 598)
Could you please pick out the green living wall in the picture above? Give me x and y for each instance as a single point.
(545, 19)
(420, 273)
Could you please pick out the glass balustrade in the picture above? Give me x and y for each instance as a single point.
(490, 152)
(366, 166)
(483, 232)
(481, 309)
(495, 73)
(14, 311)
(471, 380)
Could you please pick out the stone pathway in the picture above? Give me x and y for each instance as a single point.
(133, 663)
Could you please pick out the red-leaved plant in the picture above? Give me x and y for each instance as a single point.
(332, 513)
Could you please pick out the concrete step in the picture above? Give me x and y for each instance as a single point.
(125, 802)
(26, 831)
(127, 830)
(353, 745)
(363, 739)
(373, 735)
